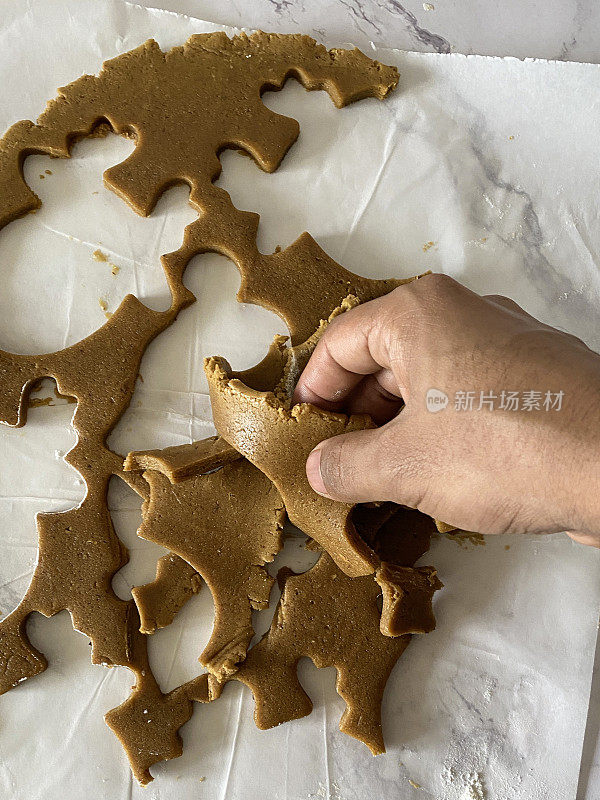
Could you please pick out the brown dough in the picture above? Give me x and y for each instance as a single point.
(227, 525)
(322, 602)
(334, 620)
(277, 437)
(209, 91)
(407, 599)
(278, 440)
(158, 602)
(100, 373)
(183, 461)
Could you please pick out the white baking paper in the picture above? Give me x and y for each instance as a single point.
(486, 169)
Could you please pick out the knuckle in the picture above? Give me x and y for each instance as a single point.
(421, 300)
(436, 287)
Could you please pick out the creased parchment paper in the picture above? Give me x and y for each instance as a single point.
(486, 169)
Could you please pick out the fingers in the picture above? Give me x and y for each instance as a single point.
(589, 539)
(347, 467)
(365, 466)
(347, 352)
(371, 397)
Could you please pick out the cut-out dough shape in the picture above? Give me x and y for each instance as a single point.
(134, 94)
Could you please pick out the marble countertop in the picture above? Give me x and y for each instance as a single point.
(567, 31)
(555, 29)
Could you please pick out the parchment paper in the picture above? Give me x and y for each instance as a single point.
(483, 168)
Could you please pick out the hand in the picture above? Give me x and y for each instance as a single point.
(480, 468)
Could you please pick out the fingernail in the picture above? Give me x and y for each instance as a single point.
(313, 471)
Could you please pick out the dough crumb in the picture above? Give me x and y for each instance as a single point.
(98, 255)
(414, 784)
(114, 269)
(428, 7)
(427, 246)
(466, 539)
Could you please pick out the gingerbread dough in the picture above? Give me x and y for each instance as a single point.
(209, 91)
(183, 461)
(227, 525)
(315, 607)
(158, 602)
(277, 437)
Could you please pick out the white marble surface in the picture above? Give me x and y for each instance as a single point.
(566, 31)
(557, 29)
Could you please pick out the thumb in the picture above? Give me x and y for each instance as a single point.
(351, 467)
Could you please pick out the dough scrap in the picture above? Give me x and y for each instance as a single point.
(132, 96)
(148, 721)
(209, 90)
(407, 599)
(227, 525)
(100, 373)
(158, 602)
(277, 437)
(183, 461)
(278, 440)
(315, 607)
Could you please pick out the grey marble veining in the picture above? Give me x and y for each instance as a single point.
(558, 29)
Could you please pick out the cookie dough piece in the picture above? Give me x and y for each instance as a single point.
(99, 373)
(147, 723)
(400, 540)
(183, 461)
(158, 602)
(315, 609)
(407, 599)
(277, 437)
(209, 90)
(226, 525)
(278, 440)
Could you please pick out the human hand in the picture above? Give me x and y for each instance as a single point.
(486, 469)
